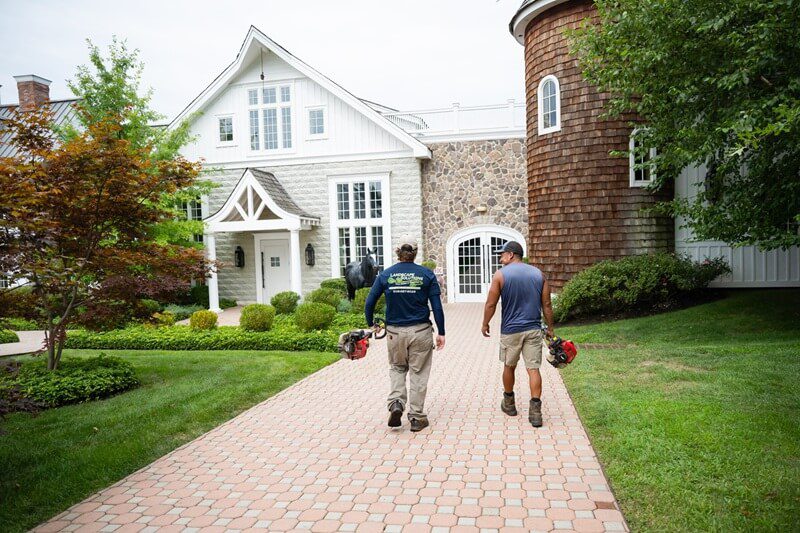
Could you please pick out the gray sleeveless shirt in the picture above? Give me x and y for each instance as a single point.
(521, 298)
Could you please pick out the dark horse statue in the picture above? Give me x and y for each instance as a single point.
(361, 274)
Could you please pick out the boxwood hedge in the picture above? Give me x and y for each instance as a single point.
(6, 335)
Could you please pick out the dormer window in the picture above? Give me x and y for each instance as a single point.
(270, 115)
(549, 105)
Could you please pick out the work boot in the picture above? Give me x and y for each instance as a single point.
(395, 414)
(535, 413)
(508, 406)
(418, 424)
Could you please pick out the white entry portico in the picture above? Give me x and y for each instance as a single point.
(261, 206)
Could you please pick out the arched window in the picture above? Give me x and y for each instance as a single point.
(549, 105)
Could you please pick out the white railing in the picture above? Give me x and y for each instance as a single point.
(457, 120)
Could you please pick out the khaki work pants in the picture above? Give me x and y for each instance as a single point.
(410, 352)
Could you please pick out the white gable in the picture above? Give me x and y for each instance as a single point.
(351, 128)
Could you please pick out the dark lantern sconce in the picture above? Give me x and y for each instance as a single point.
(238, 257)
(310, 256)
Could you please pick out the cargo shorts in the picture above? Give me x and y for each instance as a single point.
(528, 344)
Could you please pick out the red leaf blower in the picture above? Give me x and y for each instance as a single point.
(354, 344)
(562, 352)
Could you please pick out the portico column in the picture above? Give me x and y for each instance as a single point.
(294, 250)
(213, 288)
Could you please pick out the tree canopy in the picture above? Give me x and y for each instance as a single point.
(717, 85)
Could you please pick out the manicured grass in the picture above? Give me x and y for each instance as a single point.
(63, 455)
(697, 419)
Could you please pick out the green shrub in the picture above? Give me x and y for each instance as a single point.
(75, 380)
(182, 312)
(164, 319)
(360, 301)
(337, 284)
(429, 264)
(314, 315)
(285, 302)
(6, 336)
(636, 283)
(19, 324)
(199, 294)
(325, 296)
(257, 317)
(227, 303)
(344, 306)
(148, 308)
(203, 320)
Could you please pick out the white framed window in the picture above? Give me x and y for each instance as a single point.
(194, 211)
(3, 282)
(225, 129)
(270, 117)
(549, 105)
(359, 220)
(317, 123)
(641, 174)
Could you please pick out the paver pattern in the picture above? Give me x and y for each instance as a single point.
(319, 456)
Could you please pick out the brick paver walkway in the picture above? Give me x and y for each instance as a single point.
(319, 456)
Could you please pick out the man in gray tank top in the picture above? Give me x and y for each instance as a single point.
(525, 295)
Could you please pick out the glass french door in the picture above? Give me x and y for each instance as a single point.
(476, 262)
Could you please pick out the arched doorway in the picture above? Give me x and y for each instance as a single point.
(472, 260)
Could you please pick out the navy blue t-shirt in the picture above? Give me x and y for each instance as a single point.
(408, 288)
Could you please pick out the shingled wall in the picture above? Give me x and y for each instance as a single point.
(581, 207)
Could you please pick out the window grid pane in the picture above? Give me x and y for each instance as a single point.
(343, 200)
(377, 244)
(375, 199)
(268, 95)
(494, 259)
(226, 129)
(252, 97)
(286, 94)
(316, 122)
(270, 129)
(470, 266)
(344, 248)
(254, 140)
(359, 201)
(361, 243)
(286, 123)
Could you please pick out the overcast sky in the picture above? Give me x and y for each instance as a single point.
(407, 54)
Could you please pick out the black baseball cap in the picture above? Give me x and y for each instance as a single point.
(512, 246)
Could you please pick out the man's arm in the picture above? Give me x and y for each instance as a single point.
(491, 301)
(547, 308)
(372, 300)
(435, 299)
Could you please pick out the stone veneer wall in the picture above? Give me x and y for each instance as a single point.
(461, 176)
(308, 187)
(582, 208)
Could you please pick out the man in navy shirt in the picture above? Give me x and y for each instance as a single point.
(409, 288)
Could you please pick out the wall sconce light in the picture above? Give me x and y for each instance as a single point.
(310, 256)
(238, 257)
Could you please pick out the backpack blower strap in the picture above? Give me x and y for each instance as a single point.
(354, 344)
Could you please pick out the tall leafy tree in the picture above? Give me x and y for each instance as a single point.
(716, 84)
(77, 219)
(110, 86)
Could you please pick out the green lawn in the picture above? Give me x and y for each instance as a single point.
(64, 455)
(697, 419)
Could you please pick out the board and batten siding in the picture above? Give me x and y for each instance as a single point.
(347, 131)
(750, 266)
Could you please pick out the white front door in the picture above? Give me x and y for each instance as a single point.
(273, 261)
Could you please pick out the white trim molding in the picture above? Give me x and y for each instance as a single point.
(542, 130)
(527, 12)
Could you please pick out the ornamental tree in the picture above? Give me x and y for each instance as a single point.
(77, 219)
(715, 85)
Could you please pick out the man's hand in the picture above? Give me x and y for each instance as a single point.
(377, 329)
(439, 342)
(485, 330)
